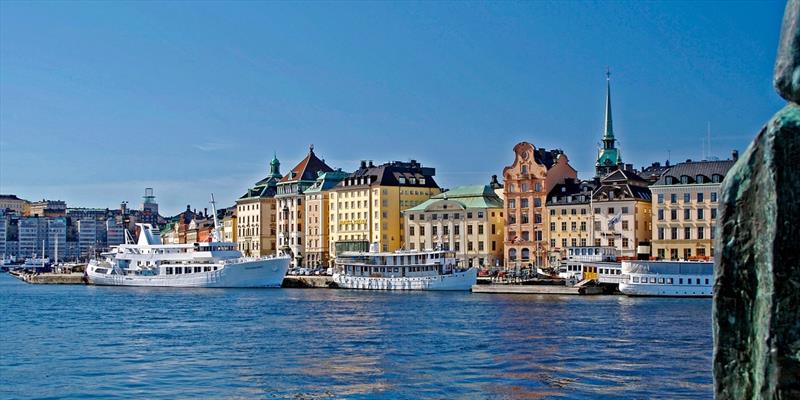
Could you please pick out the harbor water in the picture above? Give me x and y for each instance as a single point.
(99, 342)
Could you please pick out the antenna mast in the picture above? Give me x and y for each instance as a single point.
(215, 236)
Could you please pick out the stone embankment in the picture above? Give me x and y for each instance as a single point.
(75, 278)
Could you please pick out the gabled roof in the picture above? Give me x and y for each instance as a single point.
(476, 196)
(307, 169)
(694, 168)
(621, 175)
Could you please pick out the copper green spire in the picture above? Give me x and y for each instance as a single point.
(608, 132)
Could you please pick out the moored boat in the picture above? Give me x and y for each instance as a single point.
(213, 264)
(667, 278)
(403, 270)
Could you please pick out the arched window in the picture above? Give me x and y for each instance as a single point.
(524, 169)
(526, 254)
(512, 254)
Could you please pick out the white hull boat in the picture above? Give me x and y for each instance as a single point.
(403, 270)
(667, 278)
(213, 264)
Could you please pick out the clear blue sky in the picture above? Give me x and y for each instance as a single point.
(99, 100)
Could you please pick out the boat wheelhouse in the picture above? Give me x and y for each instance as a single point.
(403, 270)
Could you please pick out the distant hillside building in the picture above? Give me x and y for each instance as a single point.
(48, 209)
(13, 203)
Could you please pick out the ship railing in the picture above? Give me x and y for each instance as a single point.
(247, 259)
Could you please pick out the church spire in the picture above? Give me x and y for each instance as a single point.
(608, 132)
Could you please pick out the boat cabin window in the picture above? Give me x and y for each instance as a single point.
(635, 279)
(669, 281)
(652, 279)
(169, 270)
(197, 269)
(101, 270)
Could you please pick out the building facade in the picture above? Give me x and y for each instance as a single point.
(48, 209)
(291, 210)
(317, 218)
(14, 204)
(622, 213)
(569, 217)
(256, 213)
(366, 206)
(685, 200)
(527, 181)
(467, 220)
(229, 224)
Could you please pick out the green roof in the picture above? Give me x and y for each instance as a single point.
(476, 196)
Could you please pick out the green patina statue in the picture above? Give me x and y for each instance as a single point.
(757, 283)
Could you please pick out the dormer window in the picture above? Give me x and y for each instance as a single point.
(413, 181)
(684, 179)
(669, 180)
(402, 180)
(716, 178)
(421, 181)
(699, 179)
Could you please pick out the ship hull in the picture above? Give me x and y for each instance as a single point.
(648, 290)
(265, 273)
(458, 281)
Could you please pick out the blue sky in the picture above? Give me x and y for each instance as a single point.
(99, 100)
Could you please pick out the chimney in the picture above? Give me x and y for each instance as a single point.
(371, 164)
(205, 211)
(735, 154)
(363, 164)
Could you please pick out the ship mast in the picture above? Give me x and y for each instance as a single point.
(215, 235)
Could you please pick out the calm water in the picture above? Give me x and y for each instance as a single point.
(83, 342)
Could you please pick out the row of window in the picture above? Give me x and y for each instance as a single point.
(687, 197)
(446, 230)
(687, 214)
(188, 270)
(524, 203)
(471, 246)
(525, 219)
(573, 211)
(668, 281)
(700, 233)
(524, 187)
(687, 253)
(685, 179)
(445, 216)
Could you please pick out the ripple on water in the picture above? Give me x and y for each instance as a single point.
(96, 342)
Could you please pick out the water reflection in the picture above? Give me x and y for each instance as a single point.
(164, 343)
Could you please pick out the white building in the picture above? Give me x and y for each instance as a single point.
(56, 239)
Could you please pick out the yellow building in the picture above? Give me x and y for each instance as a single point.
(685, 200)
(467, 220)
(256, 216)
(230, 233)
(569, 217)
(365, 207)
(14, 203)
(317, 217)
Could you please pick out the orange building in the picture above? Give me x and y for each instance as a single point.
(534, 172)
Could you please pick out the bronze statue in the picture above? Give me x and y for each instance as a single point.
(757, 273)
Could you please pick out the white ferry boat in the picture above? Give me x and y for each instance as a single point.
(667, 278)
(403, 270)
(214, 264)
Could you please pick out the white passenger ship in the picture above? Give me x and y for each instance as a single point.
(214, 264)
(403, 270)
(667, 278)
